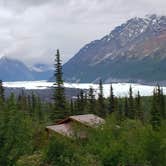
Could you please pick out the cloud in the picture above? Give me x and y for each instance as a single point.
(32, 30)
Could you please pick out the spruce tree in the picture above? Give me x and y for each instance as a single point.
(59, 111)
(111, 101)
(34, 103)
(162, 104)
(78, 105)
(131, 104)
(38, 110)
(101, 104)
(155, 111)
(119, 111)
(126, 108)
(11, 102)
(85, 102)
(29, 105)
(82, 102)
(19, 103)
(139, 110)
(22, 102)
(72, 107)
(2, 95)
(92, 101)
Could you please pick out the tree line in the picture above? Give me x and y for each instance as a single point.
(23, 118)
(87, 102)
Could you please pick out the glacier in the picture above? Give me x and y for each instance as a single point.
(120, 89)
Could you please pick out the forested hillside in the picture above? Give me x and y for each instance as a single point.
(134, 132)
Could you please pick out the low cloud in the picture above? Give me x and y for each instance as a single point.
(32, 30)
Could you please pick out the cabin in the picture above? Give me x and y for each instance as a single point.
(75, 126)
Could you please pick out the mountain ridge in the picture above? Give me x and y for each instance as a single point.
(134, 51)
(15, 70)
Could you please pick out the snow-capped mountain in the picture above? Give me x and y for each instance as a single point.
(15, 70)
(133, 51)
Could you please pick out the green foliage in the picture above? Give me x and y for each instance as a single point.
(60, 153)
(132, 112)
(101, 109)
(30, 160)
(126, 107)
(2, 95)
(122, 141)
(131, 143)
(162, 104)
(21, 130)
(60, 110)
(158, 108)
(16, 132)
(139, 109)
(111, 101)
(72, 107)
(91, 101)
(81, 102)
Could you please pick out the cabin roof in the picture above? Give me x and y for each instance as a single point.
(87, 119)
(64, 127)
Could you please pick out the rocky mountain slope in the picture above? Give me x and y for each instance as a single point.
(132, 52)
(14, 70)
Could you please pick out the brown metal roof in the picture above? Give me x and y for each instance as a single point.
(88, 119)
(64, 127)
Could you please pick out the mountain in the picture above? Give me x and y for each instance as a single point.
(15, 70)
(134, 51)
(42, 71)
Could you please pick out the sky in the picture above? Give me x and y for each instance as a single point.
(32, 30)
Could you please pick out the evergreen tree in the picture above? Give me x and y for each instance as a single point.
(155, 112)
(22, 102)
(2, 95)
(59, 111)
(11, 102)
(85, 102)
(29, 105)
(34, 102)
(16, 137)
(19, 104)
(72, 107)
(162, 104)
(139, 110)
(126, 107)
(101, 104)
(119, 110)
(111, 101)
(38, 110)
(92, 101)
(78, 105)
(82, 102)
(131, 104)
(160, 99)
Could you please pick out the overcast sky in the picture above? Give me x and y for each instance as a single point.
(32, 30)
